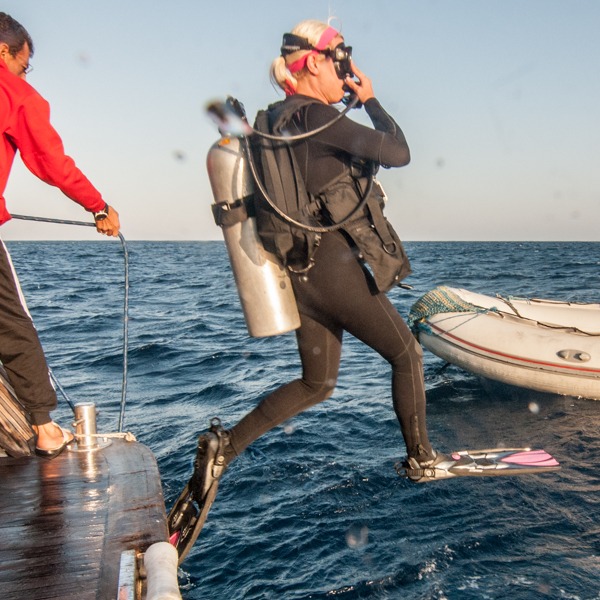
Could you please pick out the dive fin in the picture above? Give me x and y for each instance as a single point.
(188, 514)
(480, 463)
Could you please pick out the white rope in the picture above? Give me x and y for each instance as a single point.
(127, 435)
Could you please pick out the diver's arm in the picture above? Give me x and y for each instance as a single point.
(363, 88)
(383, 122)
(388, 148)
(381, 119)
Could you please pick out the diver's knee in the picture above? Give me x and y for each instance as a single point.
(411, 352)
(327, 390)
(418, 349)
(321, 390)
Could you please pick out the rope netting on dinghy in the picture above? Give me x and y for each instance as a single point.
(439, 300)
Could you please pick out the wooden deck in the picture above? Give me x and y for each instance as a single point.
(65, 522)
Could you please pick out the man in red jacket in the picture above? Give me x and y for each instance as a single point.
(25, 126)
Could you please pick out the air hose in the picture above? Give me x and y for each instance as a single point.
(236, 107)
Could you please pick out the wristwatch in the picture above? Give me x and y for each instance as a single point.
(101, 214)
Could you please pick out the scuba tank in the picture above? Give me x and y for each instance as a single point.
(263, 284)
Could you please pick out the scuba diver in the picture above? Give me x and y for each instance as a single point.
(339, 274)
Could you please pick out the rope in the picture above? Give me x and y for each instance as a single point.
(127, 435)
(125, 312)
(61, 389)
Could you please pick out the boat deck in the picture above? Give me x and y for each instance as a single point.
(65, 522)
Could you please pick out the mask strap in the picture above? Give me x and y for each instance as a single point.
(324, 40)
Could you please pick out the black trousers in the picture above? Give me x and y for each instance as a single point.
(337, 295)
(20, 348)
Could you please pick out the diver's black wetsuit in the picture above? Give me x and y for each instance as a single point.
(338, 295)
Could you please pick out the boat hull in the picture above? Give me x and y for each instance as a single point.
(66, 522)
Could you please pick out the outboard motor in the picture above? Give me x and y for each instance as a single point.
(263, 284)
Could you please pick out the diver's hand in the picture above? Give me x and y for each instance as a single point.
(110, 225)
(363, 87)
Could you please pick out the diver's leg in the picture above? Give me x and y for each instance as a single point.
(374, 320)
(320, 349)
(338, 287)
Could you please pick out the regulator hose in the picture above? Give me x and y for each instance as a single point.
(238, 109)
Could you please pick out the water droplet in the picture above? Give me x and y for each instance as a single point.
(357, 536)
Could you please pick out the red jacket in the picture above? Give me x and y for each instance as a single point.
(25, 126)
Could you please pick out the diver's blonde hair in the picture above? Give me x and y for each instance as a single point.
(280, 75)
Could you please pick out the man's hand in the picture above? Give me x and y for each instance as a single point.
(110, 225)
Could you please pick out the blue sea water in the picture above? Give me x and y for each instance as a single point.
(315, 510)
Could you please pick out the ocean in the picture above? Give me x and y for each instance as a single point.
(314, 509)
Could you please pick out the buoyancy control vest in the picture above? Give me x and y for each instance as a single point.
(278, 169)
(377, 244)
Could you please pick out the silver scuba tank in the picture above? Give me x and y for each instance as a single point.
(263, 284)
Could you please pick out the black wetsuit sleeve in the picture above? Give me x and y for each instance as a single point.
(386, 144)
(382, 121)
(324, 156)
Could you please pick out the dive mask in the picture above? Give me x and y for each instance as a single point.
(342, 60)
(341, 54)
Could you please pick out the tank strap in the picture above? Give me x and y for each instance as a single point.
(416, 474)
(226, 213)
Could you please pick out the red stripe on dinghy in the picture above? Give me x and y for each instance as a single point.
(555, 366)
(535, 458)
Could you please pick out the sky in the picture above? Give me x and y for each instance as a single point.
(499, 101)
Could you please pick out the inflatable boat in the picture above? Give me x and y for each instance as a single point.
(543, 345)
